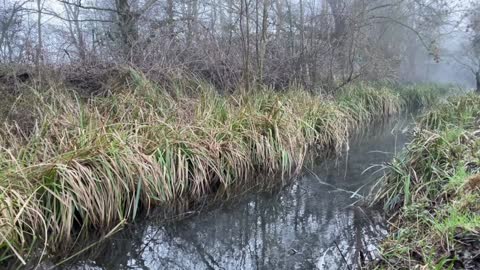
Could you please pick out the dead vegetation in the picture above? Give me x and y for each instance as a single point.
(91, 164)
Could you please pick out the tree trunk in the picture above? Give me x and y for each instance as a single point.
(192, 22)
(127, 22)
(75, 29)
(245, 34)
(477, 79)
(39, 56)
(302, 43)
(338, 10)
(263, 43)
(280, 18)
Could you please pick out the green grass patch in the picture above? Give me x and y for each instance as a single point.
(432, 192)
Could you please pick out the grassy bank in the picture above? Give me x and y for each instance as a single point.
(432, 191)
(92, 164)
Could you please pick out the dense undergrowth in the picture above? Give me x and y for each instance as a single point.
(91, 164)
(432, 191)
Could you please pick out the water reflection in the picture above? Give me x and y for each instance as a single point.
(308, 225)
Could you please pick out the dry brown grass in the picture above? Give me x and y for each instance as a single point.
(94, 164)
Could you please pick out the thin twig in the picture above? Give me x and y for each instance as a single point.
(343, 257)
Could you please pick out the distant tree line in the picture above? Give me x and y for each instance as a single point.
(315, 43)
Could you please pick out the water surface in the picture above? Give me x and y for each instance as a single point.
(310, 224)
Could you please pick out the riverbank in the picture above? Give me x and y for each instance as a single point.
(292, 227)
(432, 192)
(91, 164)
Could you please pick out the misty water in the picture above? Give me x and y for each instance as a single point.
(306, 225)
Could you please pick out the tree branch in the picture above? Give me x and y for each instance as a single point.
(88, 7)
(73, 20)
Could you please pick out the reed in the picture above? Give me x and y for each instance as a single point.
(90, 165)
(432, 191)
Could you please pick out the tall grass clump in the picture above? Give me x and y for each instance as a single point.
(93, 164)
(432, 192)
(363, 103)
(424, 95)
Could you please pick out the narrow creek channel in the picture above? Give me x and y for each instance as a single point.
(307, 225)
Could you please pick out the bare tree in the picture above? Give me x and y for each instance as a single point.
(318, 43)
(75, 30)
(475, 45)
(11, 18)
(39, 53)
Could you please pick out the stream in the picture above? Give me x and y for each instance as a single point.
(310, 224)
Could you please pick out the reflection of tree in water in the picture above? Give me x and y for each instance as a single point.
(298, 228)
(259, 236)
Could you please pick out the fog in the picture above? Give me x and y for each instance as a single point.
(319, 43)
(448, 69)
(452, 64)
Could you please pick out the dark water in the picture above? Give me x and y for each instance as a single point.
(307, 225)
